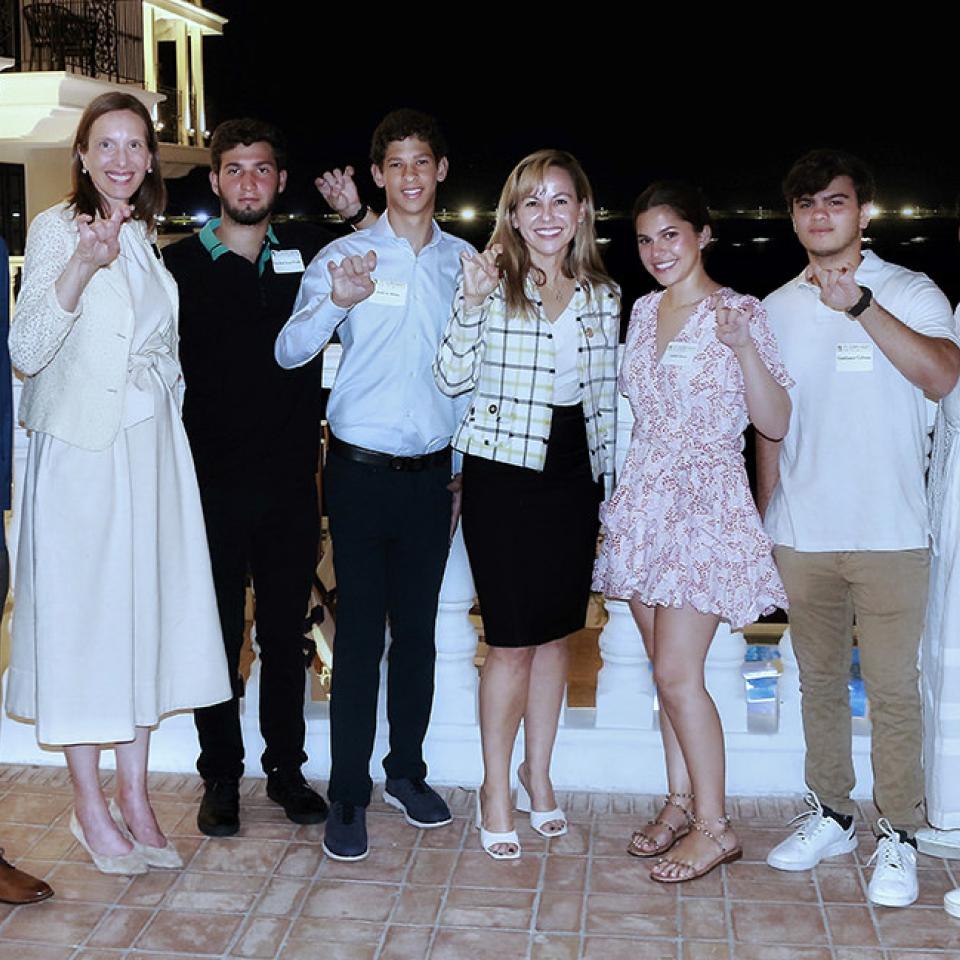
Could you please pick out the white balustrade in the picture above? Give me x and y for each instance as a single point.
(625, 689)
(455, 698)
(724, 675)
(614, 747)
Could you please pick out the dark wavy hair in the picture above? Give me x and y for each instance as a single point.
(404, 123)
(684, 199)
(582, 262)
(815, 170)
(246, 131)
(151, 196)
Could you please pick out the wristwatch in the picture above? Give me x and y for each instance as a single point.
(865, 300)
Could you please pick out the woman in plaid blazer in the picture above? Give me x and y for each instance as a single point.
(533, 337)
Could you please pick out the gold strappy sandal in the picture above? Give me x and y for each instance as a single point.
(727, 854)
(637, 847)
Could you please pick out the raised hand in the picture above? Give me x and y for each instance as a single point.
(99, 239)
(351, 280)
(839, 289)
(733, 325)
(480, 275)
(338, 188)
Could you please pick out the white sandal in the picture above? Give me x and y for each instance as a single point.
(537, 817)
(489, 839)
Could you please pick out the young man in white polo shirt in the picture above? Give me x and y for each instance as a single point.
(844, 502)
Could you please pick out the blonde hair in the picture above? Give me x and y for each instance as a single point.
(582, 262)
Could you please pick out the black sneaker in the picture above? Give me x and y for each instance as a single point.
(219, 813)
(300, 802)
(345, 837)
(422, 806)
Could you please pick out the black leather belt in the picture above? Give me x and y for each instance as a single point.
(376, 459)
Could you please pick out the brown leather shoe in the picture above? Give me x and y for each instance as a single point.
(19, 887)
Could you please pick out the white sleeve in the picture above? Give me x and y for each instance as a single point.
(315, 316)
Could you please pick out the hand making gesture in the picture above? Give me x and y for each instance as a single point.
(733, 325)
(99, 243)
(351, 281)
(480, 275)
(839, 289)
(337, 187)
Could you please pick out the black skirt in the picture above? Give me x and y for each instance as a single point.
(531, 537)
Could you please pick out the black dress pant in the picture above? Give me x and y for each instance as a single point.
(270, 529)
(390, 532)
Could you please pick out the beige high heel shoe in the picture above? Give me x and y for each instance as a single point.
(166, 858)
(129, 864)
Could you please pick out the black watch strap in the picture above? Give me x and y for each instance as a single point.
(358, 216)
(866, 296)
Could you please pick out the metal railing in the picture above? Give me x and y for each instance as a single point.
(95, 38)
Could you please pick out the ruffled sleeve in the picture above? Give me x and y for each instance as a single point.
(766, 344)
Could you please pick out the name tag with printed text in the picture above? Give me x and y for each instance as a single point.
(854, 357)
(286, 261)
(678, 354)
(390, 293)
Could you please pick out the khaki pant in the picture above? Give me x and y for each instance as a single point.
(887, 590)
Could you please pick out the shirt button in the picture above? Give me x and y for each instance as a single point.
(589, 331)
(492, 408)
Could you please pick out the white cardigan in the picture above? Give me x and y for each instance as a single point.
(75, 363)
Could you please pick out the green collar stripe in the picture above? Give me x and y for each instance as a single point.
(217, 248)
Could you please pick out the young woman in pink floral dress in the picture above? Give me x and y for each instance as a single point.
(683, 542)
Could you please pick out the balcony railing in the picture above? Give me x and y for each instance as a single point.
(95, 38)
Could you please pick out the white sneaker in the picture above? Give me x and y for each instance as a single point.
(951, 902)
(816, 837)
(939, 843)
(894, 880)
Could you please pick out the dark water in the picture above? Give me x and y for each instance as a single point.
(757, 256)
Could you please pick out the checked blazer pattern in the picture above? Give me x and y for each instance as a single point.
(508, 362)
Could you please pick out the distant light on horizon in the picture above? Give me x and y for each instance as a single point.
(907, 211)
(201, 217)
(875, 210)
(468, 213)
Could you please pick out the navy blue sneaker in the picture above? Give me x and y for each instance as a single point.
(345, 837)
(422, 806)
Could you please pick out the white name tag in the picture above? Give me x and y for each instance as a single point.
(286, 261)
(854, 357)
(391, 293)
(678, 354)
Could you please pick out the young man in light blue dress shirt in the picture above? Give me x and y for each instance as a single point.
(387, 292)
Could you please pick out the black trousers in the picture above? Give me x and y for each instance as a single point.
(390, 532)
(271, 530)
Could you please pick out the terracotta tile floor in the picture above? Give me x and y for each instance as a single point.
(270, 892)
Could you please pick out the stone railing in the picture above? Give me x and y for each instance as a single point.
(614, 746)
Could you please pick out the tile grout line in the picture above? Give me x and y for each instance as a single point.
(582, 940)
(728, 911)
(411, 856)
(824, 918)
(537, 897)
(249, 915)
(435, 930)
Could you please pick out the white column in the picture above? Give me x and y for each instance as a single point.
(624, 684)
(788, 690)
(724, 676)
(455, 700)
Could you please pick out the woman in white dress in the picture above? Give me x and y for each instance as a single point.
(115, 622)
(940, 652)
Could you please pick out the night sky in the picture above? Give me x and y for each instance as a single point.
(649, 111)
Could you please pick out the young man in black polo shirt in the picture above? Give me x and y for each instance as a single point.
(254, 429)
